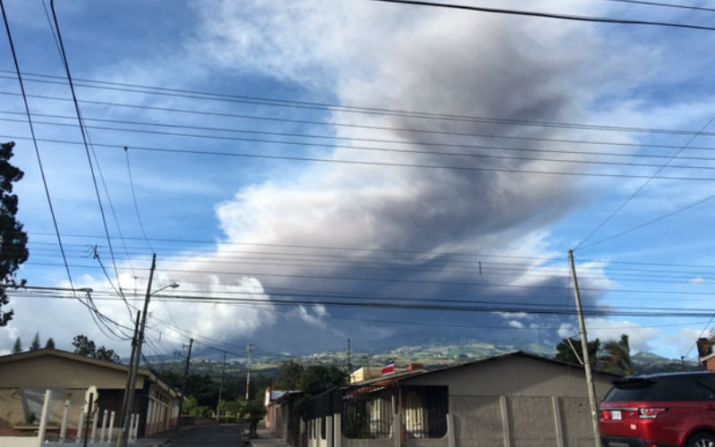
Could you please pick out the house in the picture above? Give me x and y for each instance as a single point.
(706, 356)
(516, 399)
(281, 416)
(25, 377)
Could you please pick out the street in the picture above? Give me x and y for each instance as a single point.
(214, 435)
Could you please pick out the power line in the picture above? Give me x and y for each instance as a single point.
(281, 102)
(134, 199)
(702, 333)
(83, 132)
(547, 15)
(579, 141)
(651, 221)
(445, 117)
(371, 163)
(423, 143)
(663, 5)
(494, 307)
(37, 149)
(359, 251)
(385, 149)
(641, 187)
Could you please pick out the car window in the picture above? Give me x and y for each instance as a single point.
(663, 389)
(629, 390)
(706, 383)
(676, 388)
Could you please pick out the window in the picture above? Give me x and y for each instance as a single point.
(706, 383)
(674, 389)
(629, 390)
(367, 414)
(680, 388)
(425, 410)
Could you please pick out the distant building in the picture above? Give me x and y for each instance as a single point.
(516, 399)
(705, 353)
(25, 377)
(365, 373)
(281, 416)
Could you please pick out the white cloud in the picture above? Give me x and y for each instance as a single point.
(697, 281)
(641, 338)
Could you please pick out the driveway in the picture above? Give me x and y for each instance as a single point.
(210, 436)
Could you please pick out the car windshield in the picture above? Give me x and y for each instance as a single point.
(629, 390)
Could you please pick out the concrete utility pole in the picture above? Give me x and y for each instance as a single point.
(183, 385)
(248, 371)
(122, 439)
(220, 389)
(127, 389)
(350, 360)
(586, 356)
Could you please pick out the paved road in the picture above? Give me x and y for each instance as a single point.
(210, 436)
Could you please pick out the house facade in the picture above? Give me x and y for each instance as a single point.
(25, 377)
(512, 400)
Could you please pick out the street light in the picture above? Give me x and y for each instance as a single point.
(173, 285)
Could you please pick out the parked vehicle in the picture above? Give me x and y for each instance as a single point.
(660, 410)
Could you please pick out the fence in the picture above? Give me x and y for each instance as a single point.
(100, 427)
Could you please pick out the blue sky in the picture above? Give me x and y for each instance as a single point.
(427, 227)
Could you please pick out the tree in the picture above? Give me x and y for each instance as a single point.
(565, 351)
(88, 348)
(252, 412)
(17, 347)
(13, 240)
(289, 376)
(617, 356)
(84, 346)
(50, 344)
(35, 345)
(103, 353)
(318, 378)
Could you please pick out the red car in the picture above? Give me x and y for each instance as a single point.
(660, 410)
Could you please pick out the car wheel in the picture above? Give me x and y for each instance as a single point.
(702, 439)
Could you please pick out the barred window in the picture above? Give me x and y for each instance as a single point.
(425, 411)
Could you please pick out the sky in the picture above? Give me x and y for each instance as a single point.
(362, 151)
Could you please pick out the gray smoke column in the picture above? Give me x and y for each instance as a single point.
(439, 219)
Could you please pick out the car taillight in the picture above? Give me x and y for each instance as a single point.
(650, 413)
(605, 415)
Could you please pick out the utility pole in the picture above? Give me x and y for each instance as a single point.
(586, 356)
(122, 439)
(350, 360)
(220, 389)
(248, 371)
(128, 388)
(183, 385)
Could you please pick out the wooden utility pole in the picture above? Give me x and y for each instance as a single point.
(183, 385)
(586, 356)
(248, 371)
(122, 439)
(220, 389)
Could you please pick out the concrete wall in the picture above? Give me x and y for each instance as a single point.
(477, 420)
(19, 441)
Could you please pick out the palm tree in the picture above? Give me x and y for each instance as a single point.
(617, 356)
